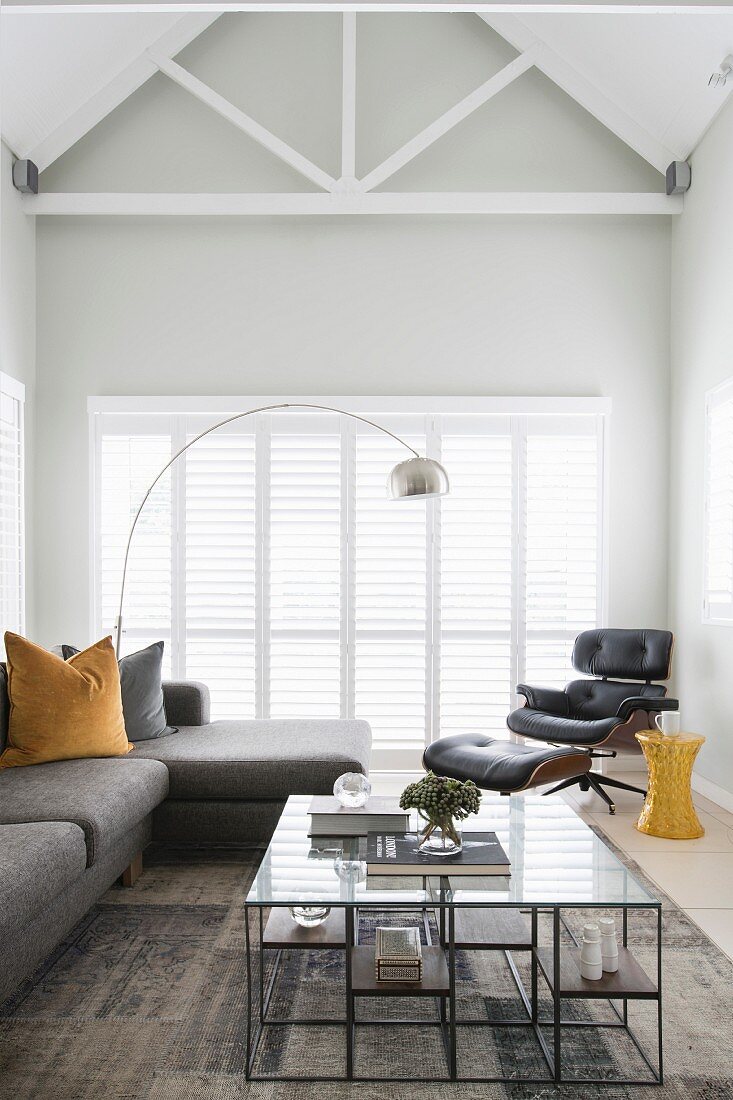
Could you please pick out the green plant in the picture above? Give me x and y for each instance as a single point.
(440, 802)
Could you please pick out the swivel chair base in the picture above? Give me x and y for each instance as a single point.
(596, 782)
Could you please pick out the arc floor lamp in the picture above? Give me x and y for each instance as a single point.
(414, 477)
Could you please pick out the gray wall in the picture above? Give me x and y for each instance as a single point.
(702, 338)
(18, 332)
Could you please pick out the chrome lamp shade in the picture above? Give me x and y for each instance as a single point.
(417, 477)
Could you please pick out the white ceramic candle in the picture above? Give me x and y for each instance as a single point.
(591, 962)
(609, 946)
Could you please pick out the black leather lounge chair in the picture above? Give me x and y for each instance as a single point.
(589, 718)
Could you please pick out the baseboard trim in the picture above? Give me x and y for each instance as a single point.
(711, 790)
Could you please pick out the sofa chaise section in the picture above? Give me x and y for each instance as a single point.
(230, 780)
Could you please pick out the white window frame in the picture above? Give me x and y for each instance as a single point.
(10, 387)
(375, 408)
(719, 615)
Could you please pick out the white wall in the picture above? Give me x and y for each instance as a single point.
(18, 329)
(443, 306)
(702, 356)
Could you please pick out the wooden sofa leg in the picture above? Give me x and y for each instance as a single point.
(131, 874)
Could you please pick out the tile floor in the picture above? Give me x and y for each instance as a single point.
(697, 874)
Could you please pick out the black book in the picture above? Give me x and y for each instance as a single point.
(397, 854)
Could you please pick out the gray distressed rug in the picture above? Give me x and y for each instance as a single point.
(146, 999)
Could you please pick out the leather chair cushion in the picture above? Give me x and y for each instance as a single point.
(589, 700)
(566, 731)
(628, 654)
(495, 765)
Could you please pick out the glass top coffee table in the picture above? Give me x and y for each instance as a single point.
(562, 874)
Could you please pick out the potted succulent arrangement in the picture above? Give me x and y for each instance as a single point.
(442, 804)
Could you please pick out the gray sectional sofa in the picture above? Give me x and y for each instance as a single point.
(68, 830)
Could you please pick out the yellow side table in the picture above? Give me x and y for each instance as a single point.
(668, 810)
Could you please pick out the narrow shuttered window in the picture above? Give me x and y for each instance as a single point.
(718, 561)
(273, 565)
(12, 550)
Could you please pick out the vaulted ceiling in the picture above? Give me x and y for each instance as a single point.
(385, 113)
(655, 68)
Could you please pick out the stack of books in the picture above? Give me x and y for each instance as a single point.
(330, 818)
(398, 955)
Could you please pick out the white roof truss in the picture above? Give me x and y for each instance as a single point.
(560, 72)
(117, 91)
(447, 121)
(349, 195)
(243, 122)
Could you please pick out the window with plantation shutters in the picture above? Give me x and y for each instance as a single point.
(718, 559)
(275, 568)
(12, 570)
(561, 544)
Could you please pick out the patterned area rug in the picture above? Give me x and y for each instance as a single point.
(146, 999)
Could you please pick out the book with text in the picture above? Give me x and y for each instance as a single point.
(398, 854)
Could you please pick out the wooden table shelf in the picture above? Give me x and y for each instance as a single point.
(281, 931)
(629, 981)
(435, 980)
(492, 930)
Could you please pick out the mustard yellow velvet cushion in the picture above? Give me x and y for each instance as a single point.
(62, 710)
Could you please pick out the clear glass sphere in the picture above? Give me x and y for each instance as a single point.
(352, 789)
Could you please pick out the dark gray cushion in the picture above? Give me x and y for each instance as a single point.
(261, 759)
(4, 707)
(142, 692)
(37, 861)
(105, 798)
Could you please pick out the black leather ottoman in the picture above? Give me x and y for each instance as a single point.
(503, 766)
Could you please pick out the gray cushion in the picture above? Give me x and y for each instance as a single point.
(142, 691)
(105, 798)
(37, 862)
(261, 759)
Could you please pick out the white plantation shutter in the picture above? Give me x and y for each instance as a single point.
(476, 581)
(718, 564)
(218, 629)
(278, 572)
(304, 581)
(12, 572)
(129, 461)
(390, 599)
(561, 536)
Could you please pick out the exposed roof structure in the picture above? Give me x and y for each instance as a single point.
(645, 78)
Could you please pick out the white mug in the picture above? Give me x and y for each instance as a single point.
(668, 723)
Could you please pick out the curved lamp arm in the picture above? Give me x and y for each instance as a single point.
(220, 424)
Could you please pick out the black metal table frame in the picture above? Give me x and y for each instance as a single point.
(446, 1019)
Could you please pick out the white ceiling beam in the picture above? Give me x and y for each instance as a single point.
(348, 98)
(562, 73)
(447, 121)
(287, 203)
(132, 77)
(243, 122)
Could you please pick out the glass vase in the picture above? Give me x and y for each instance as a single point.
(309, 916)
(441, 838)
